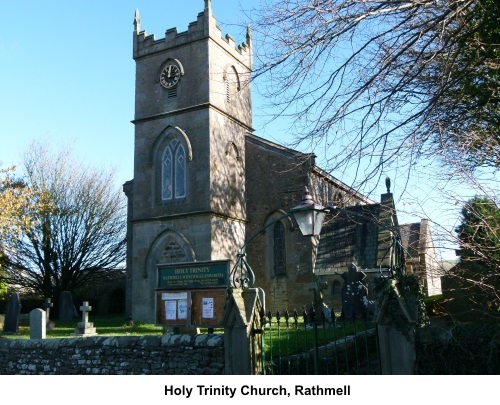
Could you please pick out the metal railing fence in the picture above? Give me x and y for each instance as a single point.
(307, 344)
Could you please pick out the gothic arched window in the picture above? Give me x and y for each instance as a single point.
(173, 171)
(279, 250)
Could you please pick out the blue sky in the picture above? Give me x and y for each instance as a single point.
(67, 73)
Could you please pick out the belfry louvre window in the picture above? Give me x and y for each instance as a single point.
(279, 250)
(228, 90)
(173, 171)
(172, 92)
(232, 83)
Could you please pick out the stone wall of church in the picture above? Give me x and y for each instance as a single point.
(275, 180)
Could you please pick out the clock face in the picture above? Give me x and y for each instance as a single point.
(170, 75)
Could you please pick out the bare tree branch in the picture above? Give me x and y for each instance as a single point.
(393, 81)
(78, 231)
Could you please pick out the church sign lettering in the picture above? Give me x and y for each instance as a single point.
(194, 275)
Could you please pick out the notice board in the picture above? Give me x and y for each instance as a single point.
(207, 307)
(173, 308)
(198, 308)
(192, 294)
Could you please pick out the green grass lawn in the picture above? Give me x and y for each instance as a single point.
(297, 338)
(105, 326)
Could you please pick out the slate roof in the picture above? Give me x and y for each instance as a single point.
(350, 237)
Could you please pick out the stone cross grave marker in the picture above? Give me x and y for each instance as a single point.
(354, 294)
(12, 315)
(47, 305)
(85, 308)
(38, 324)
(85, 328)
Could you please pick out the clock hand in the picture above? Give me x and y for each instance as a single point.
(169, 70)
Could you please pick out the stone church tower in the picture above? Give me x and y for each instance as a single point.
(186, 202)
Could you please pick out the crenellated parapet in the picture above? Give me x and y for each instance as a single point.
(204, 27)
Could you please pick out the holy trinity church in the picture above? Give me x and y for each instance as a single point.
(204, 182)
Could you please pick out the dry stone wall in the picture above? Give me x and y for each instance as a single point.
(161, 355)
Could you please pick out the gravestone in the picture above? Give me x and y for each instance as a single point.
(12, 315)
(327, 313)
(38, 324)
(85, 328)
(47, 305)
(354, 294)
(66, 307)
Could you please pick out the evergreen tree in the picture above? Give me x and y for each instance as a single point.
(479, 269)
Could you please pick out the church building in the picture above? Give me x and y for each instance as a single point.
(204, 182)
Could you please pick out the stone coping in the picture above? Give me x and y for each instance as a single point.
(169, 340)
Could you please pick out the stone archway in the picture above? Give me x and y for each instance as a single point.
(170, 246)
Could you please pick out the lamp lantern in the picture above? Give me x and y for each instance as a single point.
(309, 215)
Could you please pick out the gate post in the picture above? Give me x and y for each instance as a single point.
(396, 339)
(242, 329)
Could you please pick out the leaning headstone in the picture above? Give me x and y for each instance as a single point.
(12, 315)
(47, 305)
(66, 307)
(38, 324)
(354, 294)
(85, 328)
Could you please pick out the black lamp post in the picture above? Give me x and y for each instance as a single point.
(310, 217)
